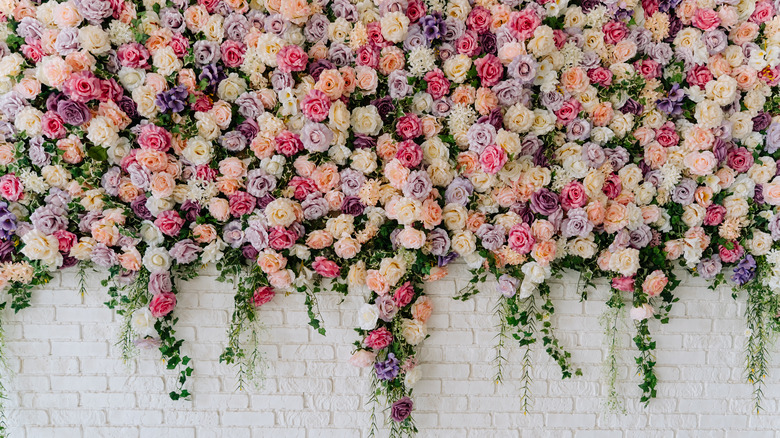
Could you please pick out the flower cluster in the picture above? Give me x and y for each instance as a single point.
(366, 145)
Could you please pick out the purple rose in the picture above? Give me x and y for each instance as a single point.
(480, 136)
(139, 208)
(260, 183)
(73, 113)
(492, 237)
(351, 181)
(398, 84)
(387, 308)
(418, 185)
(104, 256)
(314, 207)
(576, 223)
(352, 206)
(544, 202)
(684, 192)
(388, 369)
(459, 191)
(641, 236)
(160, 282)
(709, 268)
(439, 242)
(401, 409)
(233, 234)
(49, 218)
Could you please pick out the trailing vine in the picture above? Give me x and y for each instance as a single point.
(609, 322)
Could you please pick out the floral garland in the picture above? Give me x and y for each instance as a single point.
(363, 145)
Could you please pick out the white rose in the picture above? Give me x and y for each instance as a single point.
(366, 120)
(166, 61)
(198, 151)
(464, 242)
(231, 88)
(368, 316)
(213, 252)
(151, 234)
(761, 243)
(625, 262)
(363, 160)
(29, 121)
(157, 259)
(39, 246)
(394, 26)
(143, 322)
(412, 377)
(413, 331)
(102, 132)
(94, 40)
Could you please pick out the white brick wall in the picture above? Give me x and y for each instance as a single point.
(70, 382)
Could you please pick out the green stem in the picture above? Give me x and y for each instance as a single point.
(609, 321)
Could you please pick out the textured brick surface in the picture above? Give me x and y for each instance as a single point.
(68, 379)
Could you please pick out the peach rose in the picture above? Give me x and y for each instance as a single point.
(161, 185)
(542, 229)
(377, 282)
(700, 163)
(422, 309)
(271, 261)
(204, 233)
(331, 82)
(219, 208)
(232, 167)
(544, 252)
(319, 239)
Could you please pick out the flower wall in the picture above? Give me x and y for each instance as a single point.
(361, 147)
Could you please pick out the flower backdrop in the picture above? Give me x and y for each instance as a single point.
(362, 146)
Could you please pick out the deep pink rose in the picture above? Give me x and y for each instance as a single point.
(600, 76)
(180, 45)
(520, 238)
(11, 188)
(409, 154)
(292, 58)
(493, 159)
(53, 125)
(740, 159)
(66, 240)
(408, 126)
(33, 52)
(155, 137)
(110, 89)
(316, 105)
(233, 53)
(280, 238)
(573, 195)
(479, 19)
(763, 12)
(378, 339)
(489, 70)
(415, 10)
(241, 203)
(262, 295)
(162, 304)
(614, 32)
(667, 135)
(731, 255)
(612, 186)
(403, 295)
(326, 268)
(169, 222)
(438, 85)
(302, 187)
(288, 144)
(625, 284)
(205, 173)
(559, 37)
(699, 75)
(648, 68)
(374, 31)
(368, 55)
(714, 215)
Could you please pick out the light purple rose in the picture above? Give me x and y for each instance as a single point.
(508, 285)
(94, 10)
(256, 235)
(259, 183)
(439, 242)
(684, 192)
(160, 282)
(316, 28)
(172, 19)
(576, 223)
(236, 27)
(709, 268)
(523, 68)
(316, 137)
(398, 84)
(641, 236)
(418, 185)
(314, 207)
(459, 191)
(492, 237)
(67, 41)
(578, 129)
(104, 256)
(185, 251)
(480, 136)
(387, 308)
(351, 181)
(233, 234)
(49, 218)
(206, 52)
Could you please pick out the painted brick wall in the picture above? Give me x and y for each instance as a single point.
(68, 379)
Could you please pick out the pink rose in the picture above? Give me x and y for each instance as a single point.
(326, 268)
(316, 105)
(706, 19)
(378, 339)
(180, 45)
(763, 12)
(666, 135)
(520, 238)
(82, 86)
(731, 255)
(408, 126)
(468, 44)
(66, 240)
(33, 52)
(241, 203)
(53, 126)
(280, 238)
(11, 188)
(648, 68)
(492, 159)
(262, 295)
(489, 70)
(233, 53)
(169, 222)
(292, 58)
(438, 85)
(362, 359)
(162, 304)
(288, 144)
(403, 295)
(573, 196)
(133, 55)
(524, 23)
(155, 137)
(415, 10)
(625, 284)
(642, 312)
(654, 283)
(569, 111)
(374, 31)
